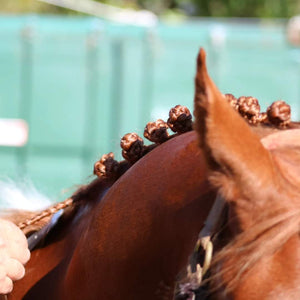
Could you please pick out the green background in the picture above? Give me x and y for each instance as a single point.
(82, 83)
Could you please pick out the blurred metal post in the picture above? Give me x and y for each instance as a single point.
(26, 82)
(217, 38)
(116, 106)
(147, 66)
(92, 109)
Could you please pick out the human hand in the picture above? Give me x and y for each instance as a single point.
(14, 254)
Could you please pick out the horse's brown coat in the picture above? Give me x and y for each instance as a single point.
(139, 235)
(133, 243)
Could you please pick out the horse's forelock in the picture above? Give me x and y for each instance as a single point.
(275, 222)
(248, 248)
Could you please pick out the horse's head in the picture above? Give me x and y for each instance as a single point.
(256, 170)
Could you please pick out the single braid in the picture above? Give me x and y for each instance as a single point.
(157, 132)
(107, 166)
(132, 147)
(279, 114)
(46, 213)
(249, 108)
(180, 119)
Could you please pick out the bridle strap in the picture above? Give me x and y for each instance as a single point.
(204, 239)
(213, 218)
(196, 272)
(36, 237)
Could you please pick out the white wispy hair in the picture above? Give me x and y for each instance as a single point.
(21, 195)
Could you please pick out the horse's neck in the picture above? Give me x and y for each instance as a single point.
(145, 226)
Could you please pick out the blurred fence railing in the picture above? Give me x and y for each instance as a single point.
(81, 83)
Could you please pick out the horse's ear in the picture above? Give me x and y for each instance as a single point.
(228, 142)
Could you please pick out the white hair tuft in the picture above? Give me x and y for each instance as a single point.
(21, 195)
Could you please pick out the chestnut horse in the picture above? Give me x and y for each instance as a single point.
(129, 237)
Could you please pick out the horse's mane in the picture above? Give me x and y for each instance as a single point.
(108, 170)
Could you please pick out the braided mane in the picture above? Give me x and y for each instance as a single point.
(278, 116)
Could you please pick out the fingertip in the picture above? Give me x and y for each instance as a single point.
(6, 286)
(16, 270)
(26, 256)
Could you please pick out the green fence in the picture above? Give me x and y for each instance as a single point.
(81, 83)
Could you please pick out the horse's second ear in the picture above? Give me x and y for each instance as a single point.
(226, 138)
(285, 148)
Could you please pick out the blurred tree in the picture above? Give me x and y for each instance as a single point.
(247, 8)
(207, 8)
(30, 6)
(219, 8)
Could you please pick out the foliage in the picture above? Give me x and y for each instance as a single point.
(207, 8)
(30, 6)
(247, 8)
